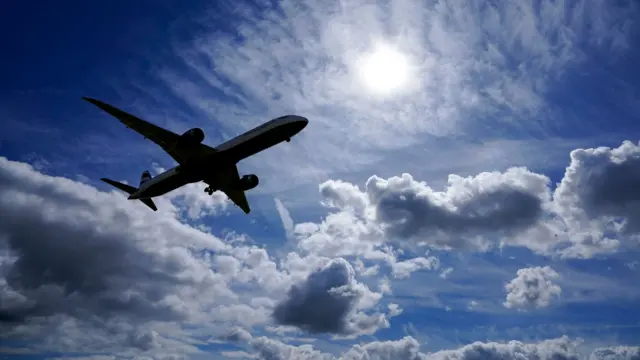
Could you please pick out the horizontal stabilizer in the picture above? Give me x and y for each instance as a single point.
(130, 190)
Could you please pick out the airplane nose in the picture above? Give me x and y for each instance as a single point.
(299, 122)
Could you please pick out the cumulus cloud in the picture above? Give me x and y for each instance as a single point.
(403, 269)
(532, 288)
(590, 210)
(74, 250)
(499, 202)
(475, 213)
(616, 353)
(327, 301)
(74, 257)
(104, 273)
(408, 348)
(599, 198)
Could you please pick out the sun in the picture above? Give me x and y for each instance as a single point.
(384, 70)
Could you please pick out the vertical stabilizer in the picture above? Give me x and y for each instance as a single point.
(146, 176)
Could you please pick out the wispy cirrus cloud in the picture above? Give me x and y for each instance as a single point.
(479, 69)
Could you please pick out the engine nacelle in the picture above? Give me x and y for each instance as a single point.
(248, 182)
(193, 136)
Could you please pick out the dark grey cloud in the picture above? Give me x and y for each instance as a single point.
(322, 302)
(486, 202)
(407, 213)
(326, 301)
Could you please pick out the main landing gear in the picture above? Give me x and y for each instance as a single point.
(288, 139)
(209, 190)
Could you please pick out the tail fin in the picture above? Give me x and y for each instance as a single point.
(130, 190)
(146, 176)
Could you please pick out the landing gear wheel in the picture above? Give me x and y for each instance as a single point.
(288, 139)
(209, 190)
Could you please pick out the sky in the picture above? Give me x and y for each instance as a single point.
(466, 187)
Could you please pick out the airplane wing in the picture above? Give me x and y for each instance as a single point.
(166, 139)
(238, 197)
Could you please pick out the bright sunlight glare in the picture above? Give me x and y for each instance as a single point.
(385, 70)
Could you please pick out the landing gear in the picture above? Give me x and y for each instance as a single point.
(288, 139)
(209, 190)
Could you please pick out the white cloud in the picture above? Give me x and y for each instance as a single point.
(469, 214)
(616, 353)
(599, 199)
(445, 273)
(287, 222)
(84, 270)
(408, 348)
(581, 218)
(532, 288)
(403, 269)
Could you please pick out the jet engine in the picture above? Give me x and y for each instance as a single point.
(248, 182)
(193, 136)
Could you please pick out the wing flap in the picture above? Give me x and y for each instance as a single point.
(225, 180)
(239, 198)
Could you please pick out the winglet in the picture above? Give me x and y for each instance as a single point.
(91, 100)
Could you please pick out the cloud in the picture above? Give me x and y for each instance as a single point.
(105, 273)
(532, 288)
(509, 201)
(75, 258)
(84, 270)
(287, 222)
(403, 269)
(77, 250)
(472, 213)
(192, 201)
(599, 198)
(445, 273)
(616, 352)
(590, 212)
(326, 303)
(408, 348)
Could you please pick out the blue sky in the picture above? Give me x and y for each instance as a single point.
(468, 176)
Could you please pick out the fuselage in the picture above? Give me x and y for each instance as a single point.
(228, 153)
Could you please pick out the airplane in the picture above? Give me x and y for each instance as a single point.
(215, 166)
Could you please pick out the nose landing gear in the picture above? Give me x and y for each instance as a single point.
(209, 190)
